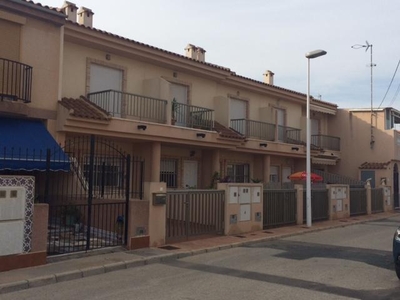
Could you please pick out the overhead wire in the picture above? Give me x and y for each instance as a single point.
(390, 84)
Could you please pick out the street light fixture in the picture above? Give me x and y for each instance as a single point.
(309, 55)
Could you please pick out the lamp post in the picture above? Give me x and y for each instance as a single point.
(309, 55)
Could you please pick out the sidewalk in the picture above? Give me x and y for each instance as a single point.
(81, 265)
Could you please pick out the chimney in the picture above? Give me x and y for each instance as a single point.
(269, 77)
(191, 51)
(69, 9)
(85, 16)
(200, 54)
(194, 52)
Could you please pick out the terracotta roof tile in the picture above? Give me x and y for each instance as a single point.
(47, 7)
(374, 165)
(227, 132)
(83, 108)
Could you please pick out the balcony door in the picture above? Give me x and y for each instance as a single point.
(315, 138)
(104, 78)
(280, 124)
(237, 110)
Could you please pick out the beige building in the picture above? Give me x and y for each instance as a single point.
(370, 146)
(192, 111)
(133, 120)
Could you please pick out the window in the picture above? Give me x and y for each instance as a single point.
(274, 174)
(238, 172)
(168, 172)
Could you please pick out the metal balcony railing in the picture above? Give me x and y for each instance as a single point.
(254, 129)
(326, 142)
(191, 116)
(130, 106)
(15, 81)
(289, 135)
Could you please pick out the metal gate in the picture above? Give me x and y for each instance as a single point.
(191, 213)
(88, 205)
(319, 205)
(279, 208)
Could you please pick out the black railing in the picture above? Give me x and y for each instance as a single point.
(15, 81)
(192, 116)
(130, 106)
(326, 142)
(68, 227)
(289, 135)
(254, 129)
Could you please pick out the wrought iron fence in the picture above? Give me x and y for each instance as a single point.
(70, 227)
(279, 208)
(15, 80)
(254, 129)
(126, 105)
(326, 142)
(191, 116)
(358, 202)
(319, 205)
(194, 212)
(376, 200)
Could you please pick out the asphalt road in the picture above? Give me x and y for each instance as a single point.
(352, 262)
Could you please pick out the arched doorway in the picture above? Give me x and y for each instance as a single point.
(396, 185)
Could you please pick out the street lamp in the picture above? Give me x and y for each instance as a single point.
(309, 55)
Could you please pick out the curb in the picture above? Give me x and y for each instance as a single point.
(123, 265)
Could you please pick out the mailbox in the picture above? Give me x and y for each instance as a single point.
(159, 199)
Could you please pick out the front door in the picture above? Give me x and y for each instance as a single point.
(190, 168)
(286, 171)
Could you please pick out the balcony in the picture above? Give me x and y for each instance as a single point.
(192, 116)
(254, 129)
(15, 81)
(266, 131)
(326, 142)
(289, 135)
(131, 106)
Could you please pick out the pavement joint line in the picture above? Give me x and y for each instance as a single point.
(97, 270)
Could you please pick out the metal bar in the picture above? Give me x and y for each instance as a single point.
(127, 196)
(90, 192)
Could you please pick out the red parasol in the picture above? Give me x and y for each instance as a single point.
(303, 176)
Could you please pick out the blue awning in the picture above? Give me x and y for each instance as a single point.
(27, 145)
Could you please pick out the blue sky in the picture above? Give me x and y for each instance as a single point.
(251, 36)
